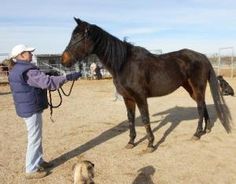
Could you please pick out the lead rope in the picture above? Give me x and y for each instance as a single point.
(59, 104)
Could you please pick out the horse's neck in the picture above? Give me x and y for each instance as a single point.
(111, 51)
(105, 61)
(106, 64)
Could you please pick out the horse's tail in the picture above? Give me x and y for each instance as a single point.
(221, 108)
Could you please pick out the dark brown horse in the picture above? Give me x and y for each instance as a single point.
(139, 74)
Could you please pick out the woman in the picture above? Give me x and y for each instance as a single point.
(29, 89)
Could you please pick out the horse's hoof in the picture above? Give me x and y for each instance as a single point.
(208, 131)
(129, 146)
(198, 135)
(195, 138)
(150, 149)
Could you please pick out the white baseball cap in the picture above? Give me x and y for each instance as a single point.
(18, 49)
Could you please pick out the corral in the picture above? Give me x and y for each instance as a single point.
(90, 125)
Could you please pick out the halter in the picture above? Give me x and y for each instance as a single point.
(76, 42)
(58, 90)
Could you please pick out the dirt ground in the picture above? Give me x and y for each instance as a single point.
(90, 125)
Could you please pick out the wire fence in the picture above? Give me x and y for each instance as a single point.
(86, 71)
(224, 63)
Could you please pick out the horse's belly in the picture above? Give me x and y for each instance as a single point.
(162, 89)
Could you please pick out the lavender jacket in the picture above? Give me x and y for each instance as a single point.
(39, 79)
(29, 88)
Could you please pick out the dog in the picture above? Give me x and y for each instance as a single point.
(83, 172)
(226, 89)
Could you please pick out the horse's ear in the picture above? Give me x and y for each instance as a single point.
(77, 20)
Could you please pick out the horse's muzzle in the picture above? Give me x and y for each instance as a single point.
(66, 59)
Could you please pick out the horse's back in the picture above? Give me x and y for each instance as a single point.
(162, 74)
(189, 62)
(187, 55)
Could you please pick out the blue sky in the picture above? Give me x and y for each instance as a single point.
(201, 25)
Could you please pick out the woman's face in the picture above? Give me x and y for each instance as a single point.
(26, 56)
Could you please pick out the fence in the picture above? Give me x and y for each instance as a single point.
(224, 62)
(58, 69)
(3, 69)
(51, 64)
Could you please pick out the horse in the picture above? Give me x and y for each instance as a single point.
(138, 74)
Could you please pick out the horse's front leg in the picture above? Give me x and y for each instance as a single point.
(143, 108)
(130, 107)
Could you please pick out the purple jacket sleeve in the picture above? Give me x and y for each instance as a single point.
(39, 79)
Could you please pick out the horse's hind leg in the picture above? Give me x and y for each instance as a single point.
(130, 106)
(208, 124)
(198, 94)
(199, 132)
(202, 111)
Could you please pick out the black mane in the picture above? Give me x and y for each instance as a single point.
(112, 51)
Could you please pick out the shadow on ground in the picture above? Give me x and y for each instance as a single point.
(173, 116)
(145, 175)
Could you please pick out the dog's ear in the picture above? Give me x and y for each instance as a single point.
(89, 163)
(92, 164)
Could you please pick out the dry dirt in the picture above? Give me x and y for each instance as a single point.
(91, 126)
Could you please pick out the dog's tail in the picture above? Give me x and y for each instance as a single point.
(221, 108)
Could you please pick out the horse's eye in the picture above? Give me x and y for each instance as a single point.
(75, 35)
